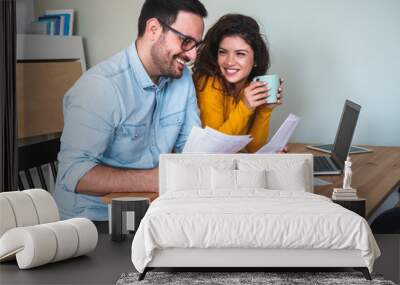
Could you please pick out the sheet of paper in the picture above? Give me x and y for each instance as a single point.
(282, 135)
(209, 140)
(195, 136)
(225, 137)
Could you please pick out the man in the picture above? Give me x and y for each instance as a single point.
(121, 114)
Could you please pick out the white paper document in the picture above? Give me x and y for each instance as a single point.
(209, 140)
(282, 135)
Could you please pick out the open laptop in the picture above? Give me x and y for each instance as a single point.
(334, 164)
(327, 148)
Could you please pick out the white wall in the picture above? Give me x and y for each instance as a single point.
(106, 26)
(327, 51)
(25, 15)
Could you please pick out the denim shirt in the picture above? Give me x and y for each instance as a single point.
(115, 115)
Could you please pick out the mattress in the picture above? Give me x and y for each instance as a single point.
(251, 219)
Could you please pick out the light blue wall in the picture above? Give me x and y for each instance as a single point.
(328, 51)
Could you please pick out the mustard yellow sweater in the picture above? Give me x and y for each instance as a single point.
(222, 113)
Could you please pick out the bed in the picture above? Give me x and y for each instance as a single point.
(247, 210)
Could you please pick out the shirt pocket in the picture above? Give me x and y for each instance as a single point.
(175, 119)
(129, 143)
(170, 127)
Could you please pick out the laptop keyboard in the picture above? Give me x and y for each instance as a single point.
(321, 163)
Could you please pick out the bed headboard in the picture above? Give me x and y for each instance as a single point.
(236, 160)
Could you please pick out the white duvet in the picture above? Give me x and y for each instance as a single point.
(250, 219)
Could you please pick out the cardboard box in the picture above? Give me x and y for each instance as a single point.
(41, 86)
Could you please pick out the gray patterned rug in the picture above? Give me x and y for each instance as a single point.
(243, 278)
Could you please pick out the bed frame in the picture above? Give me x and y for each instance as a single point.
(245, 258)
(242, 259)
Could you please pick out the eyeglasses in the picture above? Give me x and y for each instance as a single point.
(188, 42)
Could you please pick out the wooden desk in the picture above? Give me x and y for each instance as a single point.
(375, 174)
(106, 199)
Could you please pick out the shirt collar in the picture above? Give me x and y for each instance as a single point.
(141, 73)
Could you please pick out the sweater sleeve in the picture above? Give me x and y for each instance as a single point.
(211, 104)
(259, 129)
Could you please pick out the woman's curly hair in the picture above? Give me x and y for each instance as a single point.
(206, 64)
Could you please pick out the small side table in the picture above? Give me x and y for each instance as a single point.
(107, 199)
(126, 214)
(356, 205)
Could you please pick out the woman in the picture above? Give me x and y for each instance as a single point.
(233, 53)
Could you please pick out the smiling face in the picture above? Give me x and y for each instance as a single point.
(167, 53)
(235, 60)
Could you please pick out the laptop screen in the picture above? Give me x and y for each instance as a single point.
(345, 132)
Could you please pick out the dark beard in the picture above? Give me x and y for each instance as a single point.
(161, 60)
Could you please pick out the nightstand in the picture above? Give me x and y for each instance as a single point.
(356, 205)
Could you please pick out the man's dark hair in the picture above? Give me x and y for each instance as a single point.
(167, 11)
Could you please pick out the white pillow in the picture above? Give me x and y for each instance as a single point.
(291, 178)
(251, 178)
(282, 174)
(183, 175)
(225, 179)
